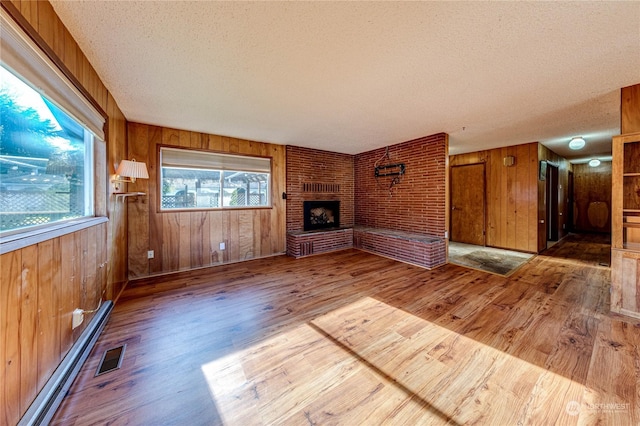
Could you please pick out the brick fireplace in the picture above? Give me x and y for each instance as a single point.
(402, 217)
(321, 181)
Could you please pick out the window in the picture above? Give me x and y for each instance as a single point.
(46, 164)
(204, 180)
(47, 134)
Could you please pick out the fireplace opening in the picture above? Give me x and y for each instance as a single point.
(321, 214)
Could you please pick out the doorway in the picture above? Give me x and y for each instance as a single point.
(570, 203)
(468, 204)
(552, 202)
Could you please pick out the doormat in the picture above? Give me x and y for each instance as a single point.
(501, 262)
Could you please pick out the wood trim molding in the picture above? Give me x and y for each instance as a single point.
(28, 238)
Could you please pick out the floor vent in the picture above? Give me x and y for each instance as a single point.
(111, 360)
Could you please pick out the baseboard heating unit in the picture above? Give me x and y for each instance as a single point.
(48, 400)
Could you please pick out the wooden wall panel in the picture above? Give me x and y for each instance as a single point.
(190, 239)
(522, 202)
(511, 195)
(630, 109)
(533, 197)
(138, 207)
(184, 234)
(38, 293)
(495, 232)
(29, 325)
(592, 189)
(48, 332)
(42, 284)
(116, 255)
(511, 199)
(10, 351)
(68, 282)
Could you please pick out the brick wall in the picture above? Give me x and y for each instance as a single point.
(417, 202)
(305, 244)
(428, 254)
(318, 175)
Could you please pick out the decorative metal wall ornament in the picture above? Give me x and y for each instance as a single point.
(394, 170)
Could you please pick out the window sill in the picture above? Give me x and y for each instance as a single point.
(28, 238)
(213, 209)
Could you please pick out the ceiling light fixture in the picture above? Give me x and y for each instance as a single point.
(577, 143)
(594, 163)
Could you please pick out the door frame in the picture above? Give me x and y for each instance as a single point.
(484, 198)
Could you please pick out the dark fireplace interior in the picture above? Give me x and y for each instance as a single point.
(321, 214)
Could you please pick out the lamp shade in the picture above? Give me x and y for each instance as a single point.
(132, 169)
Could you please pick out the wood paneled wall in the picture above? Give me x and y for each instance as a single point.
(42, 284)
(512, 195)
(190, 239)
(630, 109)
(117, 230)
(592, 197)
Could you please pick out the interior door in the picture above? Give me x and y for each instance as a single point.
(468, 204)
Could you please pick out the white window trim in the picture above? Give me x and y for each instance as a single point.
(34, 236)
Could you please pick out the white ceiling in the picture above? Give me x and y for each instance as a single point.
(354, 76)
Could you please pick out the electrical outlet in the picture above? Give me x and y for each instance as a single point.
(150, 254)
(223, 246)
(77, 318)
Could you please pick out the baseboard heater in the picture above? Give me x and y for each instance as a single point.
(48, 400)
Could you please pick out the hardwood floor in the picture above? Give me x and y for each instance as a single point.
(352, 338)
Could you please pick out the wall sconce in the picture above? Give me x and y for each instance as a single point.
(509, 160)
(130, 170)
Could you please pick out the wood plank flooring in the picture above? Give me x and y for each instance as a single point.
(353, 338)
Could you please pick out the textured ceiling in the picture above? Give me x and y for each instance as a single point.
(354, 76)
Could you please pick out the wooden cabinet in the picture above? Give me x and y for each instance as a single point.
(625, 292)
(625, 223)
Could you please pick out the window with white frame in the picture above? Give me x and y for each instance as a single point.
(47, 132)
(192, 179)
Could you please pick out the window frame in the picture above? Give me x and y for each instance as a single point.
(158, 191)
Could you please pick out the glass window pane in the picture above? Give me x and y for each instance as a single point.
(245, 189)
(190, 188)
(45, 160)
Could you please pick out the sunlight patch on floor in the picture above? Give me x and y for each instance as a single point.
(369, 362)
